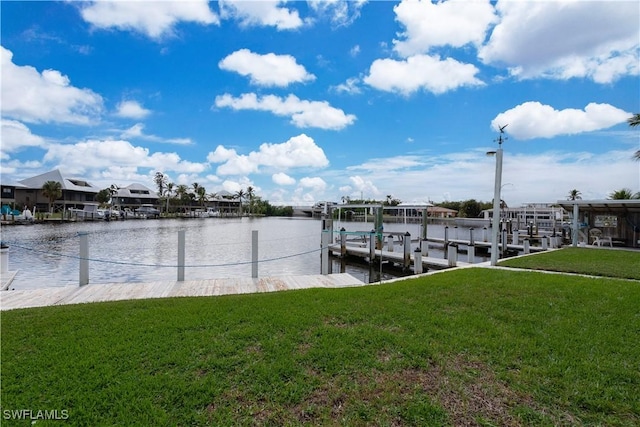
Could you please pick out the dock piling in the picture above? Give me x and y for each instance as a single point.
(84, 258)
(4, 259)
(407, 250)
(324, 256)
(254, 253)
(417, 261)
(181, 256)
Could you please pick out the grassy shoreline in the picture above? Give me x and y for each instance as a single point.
(471, 346)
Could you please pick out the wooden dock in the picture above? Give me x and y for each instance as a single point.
(62, 295)
(395, 257)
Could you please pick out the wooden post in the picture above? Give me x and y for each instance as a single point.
(343, 242)
(4, 259)
(254, 253)
(452, 256)
(504, 242)
(372, 246)
(446, 241)
(181, 257)
(324, 257)
(417, 261)
(407, 250)
(471, 249)
(84, 258)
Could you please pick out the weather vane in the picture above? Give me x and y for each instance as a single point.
(500, 138)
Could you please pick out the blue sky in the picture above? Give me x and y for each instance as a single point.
(312, 101)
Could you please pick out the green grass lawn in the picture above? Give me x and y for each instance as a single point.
(623, 264)
(466, 347)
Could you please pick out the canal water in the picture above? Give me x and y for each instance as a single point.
(147, 250)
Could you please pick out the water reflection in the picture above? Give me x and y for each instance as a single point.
(146, 250)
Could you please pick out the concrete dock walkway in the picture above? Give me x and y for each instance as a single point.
(42, 297)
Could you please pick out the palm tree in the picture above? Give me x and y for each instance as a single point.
(623, 194)
(240, 195)
(633, 122)
(574, 195)
(250, 194)
(52, 190)
(169, 193)
(161, 181)
(181, 193)
(201, 193)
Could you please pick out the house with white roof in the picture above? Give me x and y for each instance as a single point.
(76, 192)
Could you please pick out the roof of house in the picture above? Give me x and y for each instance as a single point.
(138, 191)
(67, 183)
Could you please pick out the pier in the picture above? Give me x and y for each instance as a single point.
(63, 295)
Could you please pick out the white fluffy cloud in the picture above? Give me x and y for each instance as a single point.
(535, 120)
(137, 132)
(282, 178)
(266, 70)
(46, 97)
(315, 183)
(131, 110)
(298, 152)
(362, 185)
(93, 154)
(152, 18)
(15, 136)
(421, 72)
(340, 12)
(564, 39)
(453, 23)
(261, 13)
(303, 113)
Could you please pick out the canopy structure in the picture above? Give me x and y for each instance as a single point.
(615, 219)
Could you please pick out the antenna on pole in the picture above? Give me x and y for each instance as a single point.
(501, 139)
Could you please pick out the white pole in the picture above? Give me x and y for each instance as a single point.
(574, 236)
(324, 254)
(84, 258)
(4, 261)
(181, 257)
(495, 228)
(417, 261)
(254, 253)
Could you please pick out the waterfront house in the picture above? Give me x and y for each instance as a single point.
(75, 192)
(133, 196)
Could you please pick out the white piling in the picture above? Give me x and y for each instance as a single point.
(324, 253)
(4, 259)
(417, 261)
(407, 250)
(181, 256)
(527, 248)
(254, 252)
(424, 245)
(452, 255)
(446, 241)
(545, 243)
(390, 243)
(471, 249)
(372, 246)
(84, 258)
(484, 234)
(515, 237)
(504, 242)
